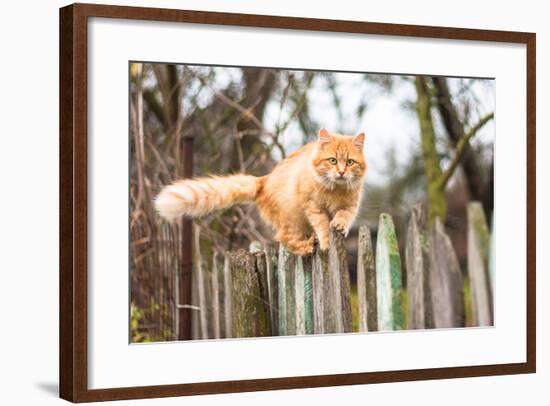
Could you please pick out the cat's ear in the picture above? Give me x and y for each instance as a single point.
(324, 138)
(359, 140)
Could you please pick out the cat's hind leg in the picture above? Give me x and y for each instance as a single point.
(295, 241)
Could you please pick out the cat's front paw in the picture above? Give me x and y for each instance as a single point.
(339, 225)
(304, 248)
(324, 243)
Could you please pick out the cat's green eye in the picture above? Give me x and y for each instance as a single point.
(332, 161)
(350, 162)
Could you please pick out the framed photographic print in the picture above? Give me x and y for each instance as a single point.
(255, 202)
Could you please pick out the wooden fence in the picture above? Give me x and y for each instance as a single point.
(270, 292)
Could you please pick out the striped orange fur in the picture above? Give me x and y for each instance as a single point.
(313, 189)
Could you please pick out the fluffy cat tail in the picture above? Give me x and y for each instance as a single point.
(200, 196)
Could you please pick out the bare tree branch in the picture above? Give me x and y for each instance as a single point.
(478, 185)
(461, 147)
(154, 106)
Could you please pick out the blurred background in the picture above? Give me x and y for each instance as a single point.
(429, 140)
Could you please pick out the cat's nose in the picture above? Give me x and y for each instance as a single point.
(341, 173)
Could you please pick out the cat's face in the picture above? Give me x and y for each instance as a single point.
(339, 159)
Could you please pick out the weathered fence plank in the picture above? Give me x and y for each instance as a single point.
(366, 282)
(303, 295)
(446, 282)
(300, 298)
(478, 263)
(338, 268)
(195, 309)
(215, 297)
(290, 286)
(195, 306)
(261, 270)
(221, 294)
(227, 301)
(308, 293)
(249, 314)
(201, 288)
(388, 276)
(199, 279)
(272, 285)
(418, 273)
(271, 291)
(322, 294)
(174, 264)
(287, 304)
(208, 310)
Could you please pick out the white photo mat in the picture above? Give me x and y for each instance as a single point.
(113, 362)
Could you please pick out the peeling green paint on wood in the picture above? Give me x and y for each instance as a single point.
(388, 276)
(285, 277)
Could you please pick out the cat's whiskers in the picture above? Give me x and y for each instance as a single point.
(326, 181)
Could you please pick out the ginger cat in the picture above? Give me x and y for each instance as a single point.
(316, 187)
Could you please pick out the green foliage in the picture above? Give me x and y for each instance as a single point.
(388, 276)
(138, 332)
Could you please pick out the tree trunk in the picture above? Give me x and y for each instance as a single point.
(437, 205)
(478, 185)
(258, 87)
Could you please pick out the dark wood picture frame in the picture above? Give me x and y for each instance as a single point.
(73, 362)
